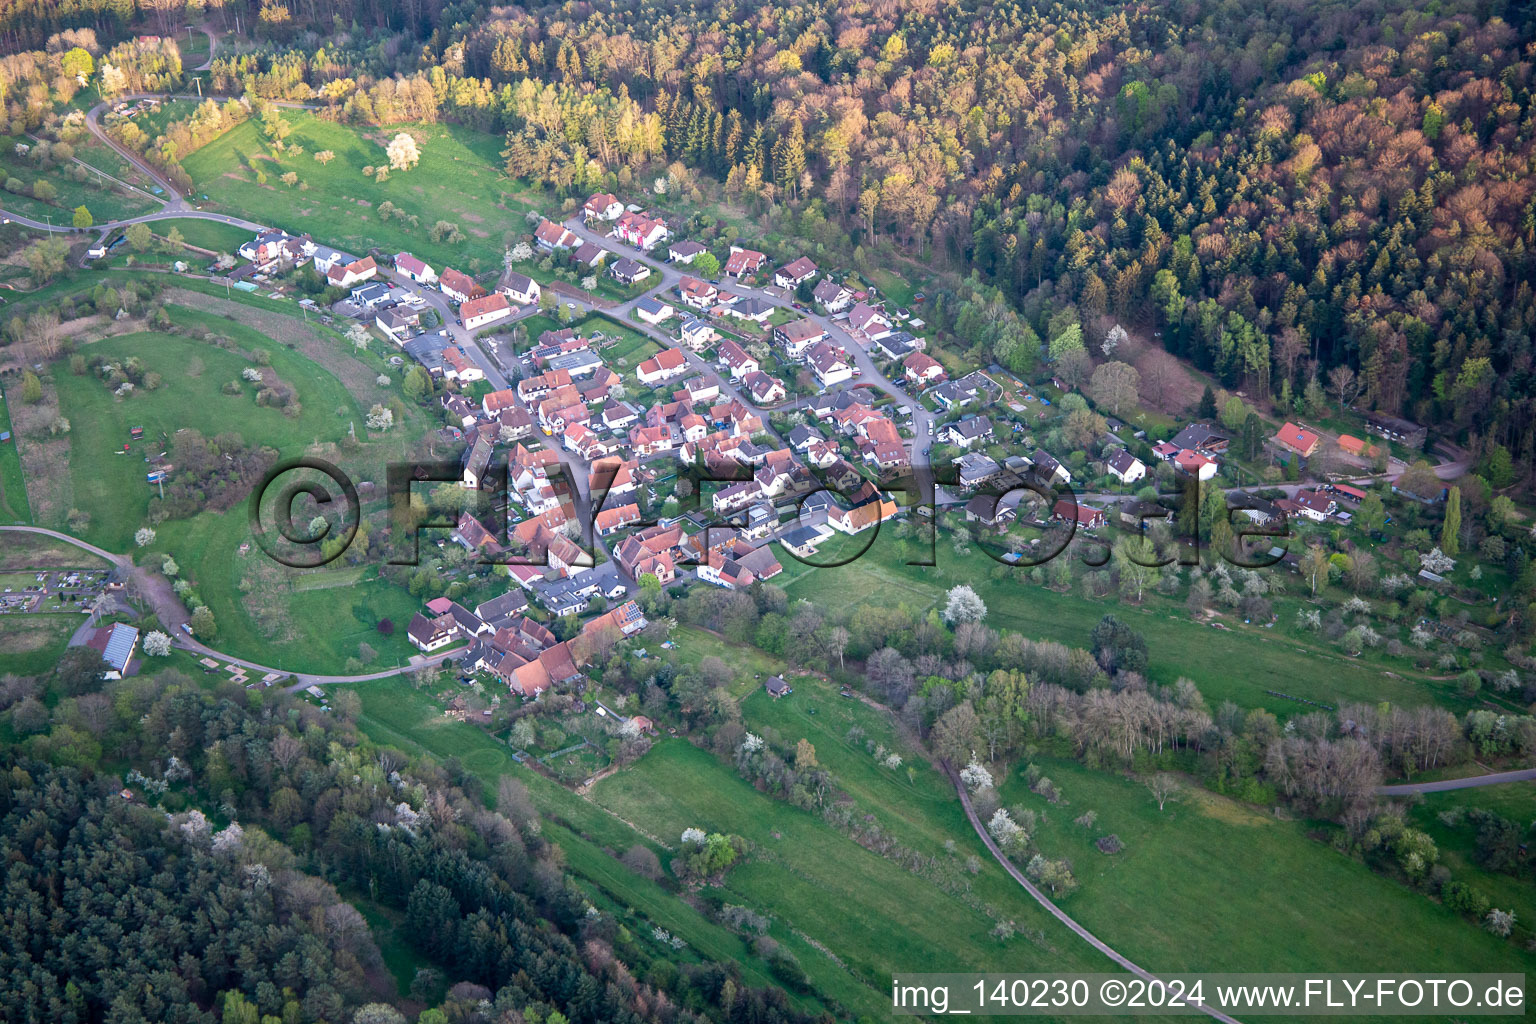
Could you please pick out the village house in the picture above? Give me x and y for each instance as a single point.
(663, 366)
(654, 311)
(791, 275)
(975, 469)
(763, 389)
(697, 294)
(743, 262)
(968, 432)
(345, 276)
(684, 252)
(797, 336)
(1124, 466)
(396, 321)
(1201, 437)
(520, 288)
(602, 206)
(1195, 464)
(922, 369)
(477, 459)
(1315, 505)
(861, 517)
(589, 255)
(612, 520)
(988, 510)
(551, 236)
(458, 287)
(1066, 510)
(642, 232)
(1048, 469)
(417, 270)
(831, 296)
(628, 271)
(732, 356)
(867, 323)
(828, 364)
(1299, 440)
(1358, 448)
(482, 312)
(753, 308)
(428, 349)
(458, 366)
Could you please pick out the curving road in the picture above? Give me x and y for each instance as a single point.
(172, 616)
(1053, 909)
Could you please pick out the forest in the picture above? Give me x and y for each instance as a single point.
(211, 888)
(1281, 191)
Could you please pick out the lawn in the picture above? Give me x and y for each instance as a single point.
(458, 180)
(14, 507)
(32, 644)
(1209, 884)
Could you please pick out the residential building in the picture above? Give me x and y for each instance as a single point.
(417, 270)
(520, 288)
(831, 296)
(922, 369)
(743, 262)
(1201, 437)
(663, 366)
(763, 389)
(551, 236)
(1195, 464)
(696, 293)
(589, 254)
(1299, 440)
(753, 308)
(868, 323)
(602, 206)
(965, 433)
(642, 232)
(684, 252)
(791, 275)
(396, 321)
(628, 271)
(1049, 469)
(1124, 466)
(654, 311)
(458, 287)
(482, 312)
(1067, 510)
(798, 335)
(1315, 505)
(729, 354)
(828, 364)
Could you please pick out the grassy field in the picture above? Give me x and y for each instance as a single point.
(105, 200)
(1278, 658)
(591, 838)
(265, 612)
(205, 234)
(14, 507)
(35, 551)
(1208, 884)
(870, 914)
(458, 180)
(30, 644)
(110, 485)
(1458, 846)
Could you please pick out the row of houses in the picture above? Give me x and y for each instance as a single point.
(518, 650)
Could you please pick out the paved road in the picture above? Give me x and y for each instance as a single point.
(1053, 909)
(1446, 785)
